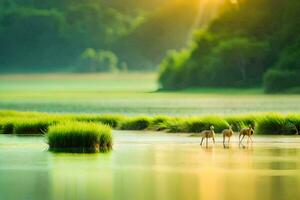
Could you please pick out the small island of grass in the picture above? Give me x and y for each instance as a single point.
(79, 137)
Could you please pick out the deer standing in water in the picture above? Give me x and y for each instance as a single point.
(246, 132)
(208, 134)
(227, 133)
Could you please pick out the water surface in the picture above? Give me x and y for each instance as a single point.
(151, 166)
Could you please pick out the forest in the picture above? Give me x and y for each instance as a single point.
(252, 43)
(93, 35)
(194, 44)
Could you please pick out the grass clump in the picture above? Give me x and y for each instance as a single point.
(197, 125)
(7, 125)
(32, 126)
(79, 137)
(135, 123)
(158, 123)
(111, 120)
(295, 120)
(276, 124)
(265, 123)
(174, 125)
(239, 122)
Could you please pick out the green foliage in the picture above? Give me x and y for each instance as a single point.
(57, 33)
(135, 123)
(276, 80)
(239, 122)
(289, 59)
(239, 46)
(110, 120)
(7, 125)
(32, 125)
(46, 28)
(158, 123)
(285, 76)
(99, 61)
(174, 125)
(38, 123)
(196, 125)
(274, 124)
(168, 27)
(79, 137)
(238, 62)
(295, 120)
(51, 35)
(172, 68)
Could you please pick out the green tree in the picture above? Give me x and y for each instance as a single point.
(244, 42)
(108, 61)
(171, 67)
(99, 61)
(285, 75)
(238, 62)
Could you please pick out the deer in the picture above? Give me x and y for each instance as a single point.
(208, 134)
(246, 132)
(227, 133)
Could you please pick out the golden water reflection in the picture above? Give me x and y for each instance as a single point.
(155, 169)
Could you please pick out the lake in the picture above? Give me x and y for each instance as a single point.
(148, 165)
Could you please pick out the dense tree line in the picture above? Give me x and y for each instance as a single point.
(40, 35)
(55, 35)
(251, 43)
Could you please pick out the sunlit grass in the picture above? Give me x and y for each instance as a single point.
(158, 122)
(135, 123)
(80, 137)
(7, 125)
(33, 125)
(275, 124)
(242, 121)
(12, 122)
(111, 120)
(196, 125)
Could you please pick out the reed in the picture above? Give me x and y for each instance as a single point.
(79, 137)
(239, 122)
(175, 125)
(7, 125)
(276, 124)
(111, 120)
(33, 126)
(158, 123)
(199, 124)
(135, 123)
(264, 123)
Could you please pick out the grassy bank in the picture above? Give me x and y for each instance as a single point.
(13, 122)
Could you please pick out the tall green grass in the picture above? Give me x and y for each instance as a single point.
(276, 124)
(193, 124)
(295, 120)
(33, 126)
(198, 124)
(111, 120)
(239, 122)
(79, 137)
(174, 125)
(135, 123)
(7, 125)
(264, 123)
(158, 123)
